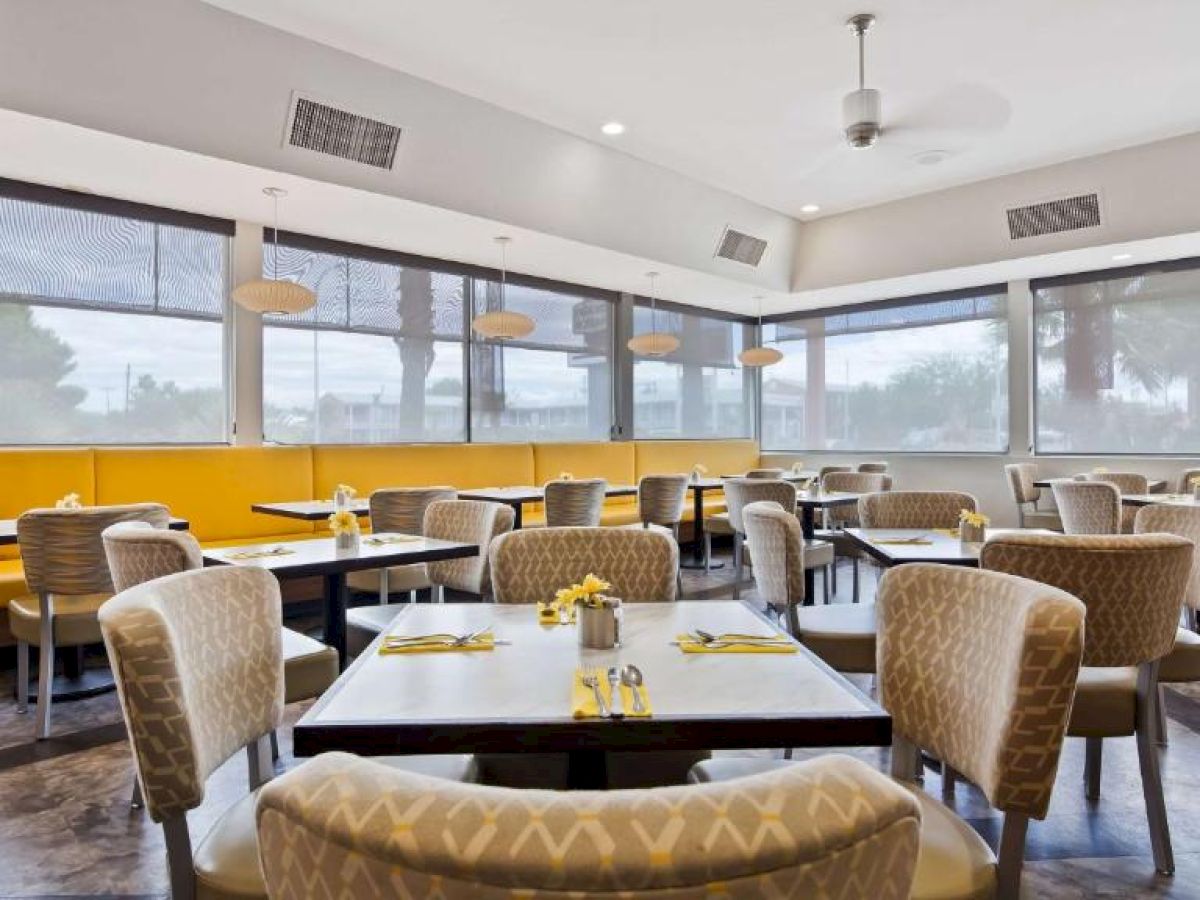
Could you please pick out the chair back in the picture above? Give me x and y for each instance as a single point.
(576, 502)
(829, 470)
(853, 483)
(1185, 480)
(1125, 482)
(402, 510)
(471, 522)
(661, 499)
(741, 492)
(1132, 586)
(199, 672)
(63, 552)
(1183, 521)
(979, 669)
(138, 552)
(877, 468)
(765, 473)
(530, 565)
(1088, 507)
(753, 837)
(1021, 477)
(914, 509)
(777, 542)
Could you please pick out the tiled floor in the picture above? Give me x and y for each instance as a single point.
(66, 828)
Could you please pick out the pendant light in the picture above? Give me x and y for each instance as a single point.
(270, 295)
(502, 324)
(653, 342)
(757, 357)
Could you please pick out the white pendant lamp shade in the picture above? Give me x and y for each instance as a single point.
(760, 356)
(653, 343)
(502, 324)
(270, 295)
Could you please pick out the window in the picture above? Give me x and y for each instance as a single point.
(555, 384)
(379, 359)
(921, 376)
(111, 325)
(700, 390)
(1116, 363)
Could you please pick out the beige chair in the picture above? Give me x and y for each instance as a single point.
(839, 518)
(68, 580)
(469, 521)
(1125, 483)
(914, 509)
(977, 669)
(829, 470)
(577, 502)
(1184, 486)
(1088, 507)
(1133, 587)
(1021, 477)
(530, 565)
(334, 822)
(398, 511)
(875, 468)
(661, 500)
(199, 670)
(770, 474)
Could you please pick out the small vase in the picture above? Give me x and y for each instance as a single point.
(971, 534)
(346, 541)
(341, 500)
(599, 626)
(1196, 492)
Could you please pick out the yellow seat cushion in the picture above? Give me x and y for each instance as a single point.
(12, 580)
(462, 466)
(75, 621)
(38, 478)
(1105, 703)
(1183, 662)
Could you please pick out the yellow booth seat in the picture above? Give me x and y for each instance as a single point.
(462, 466)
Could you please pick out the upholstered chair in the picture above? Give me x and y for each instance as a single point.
(1021, 477)
(1125, 483)
(468, 521)
(661, 500)
(578, 502)
(978, 669)
(1088, 507)
(829, 470)
(334, 822)
(530, 565)
(1182, 664)
(765, 473)
(1184, 485)
(68, 579)
(914, 509)
(1133, 587)
(839, 518)
(398, 511)
(877, 468)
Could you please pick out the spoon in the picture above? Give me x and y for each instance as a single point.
(632, 676)
(708, 638)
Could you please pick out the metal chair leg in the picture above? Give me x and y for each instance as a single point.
(1093, 756)
(385, 594)
(1160, 717)
(258, 757)
(45, 668)
(1152, 788)
(737, 566)
(22, 677)
(832, 567)
(180, 867)
(274, 745)
(135, 800)
(857, 578)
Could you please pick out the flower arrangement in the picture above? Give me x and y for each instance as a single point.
(1100, 470)
(974, 519)
(70, 501)
(343, 522)
(699, 470)
(798, 467)
(972, 527)
(565, 476)
(589, 592)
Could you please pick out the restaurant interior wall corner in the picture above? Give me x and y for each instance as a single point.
(246, 369)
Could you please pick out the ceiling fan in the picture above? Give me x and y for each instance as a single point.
(862, 110)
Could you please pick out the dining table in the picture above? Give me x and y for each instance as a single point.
(516, 696)
(520, 496)
(897, 546)
(1153, 485)
(1185, 500)
(323, 558)
(807, 504)
(309, 510)
(8, 529)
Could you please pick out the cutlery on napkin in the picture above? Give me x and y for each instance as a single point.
(588, 682)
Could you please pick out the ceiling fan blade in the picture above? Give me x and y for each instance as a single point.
(957, 109)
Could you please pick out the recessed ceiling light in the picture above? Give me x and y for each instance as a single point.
(810, 208)
(612, 129)
(1118, 257)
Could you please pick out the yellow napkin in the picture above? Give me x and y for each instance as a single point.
(548, 614)
(924, 542)
(948, 532)
(689, 644)
(378, 540)
(485, 641)
(260, 554)
(583, 700)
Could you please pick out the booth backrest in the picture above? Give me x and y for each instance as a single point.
(461, 466)
(731, 457)
(30, 479)
(614, 462)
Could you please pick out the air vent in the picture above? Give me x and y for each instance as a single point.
(338, 132)
(741, 248)
(1054, 216)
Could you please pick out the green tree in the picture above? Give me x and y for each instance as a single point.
(35, 404)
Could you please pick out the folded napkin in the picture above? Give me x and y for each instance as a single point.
(583, 699)
(548, 614)
(913, 542)
(948, 532)
(436, 643)
(727, 643)
(260, 554)
(378, 540)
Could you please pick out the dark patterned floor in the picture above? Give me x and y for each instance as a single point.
(66, 828)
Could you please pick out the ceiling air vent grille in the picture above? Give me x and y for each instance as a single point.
(742, 248)
(1054, 216)
(337, 132)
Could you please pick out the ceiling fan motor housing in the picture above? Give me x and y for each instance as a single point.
(862, 113)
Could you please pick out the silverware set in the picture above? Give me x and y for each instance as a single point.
(629, 675)
(444, 639)
(733, 639)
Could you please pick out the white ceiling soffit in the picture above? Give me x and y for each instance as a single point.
(747, 96)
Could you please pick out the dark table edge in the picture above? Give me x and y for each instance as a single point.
(349, 564)
(882, 556)
(269, 509)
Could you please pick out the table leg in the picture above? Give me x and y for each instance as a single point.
(808, 528)
(335, 614)
(516, 508)
(697, 561)
(587, 770)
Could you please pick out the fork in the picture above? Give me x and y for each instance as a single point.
(592, 681)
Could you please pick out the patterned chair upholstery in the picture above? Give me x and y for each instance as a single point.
(877, 468)
(839, 518)
(578, 502)
(1125, 483)
(829, 470)
(1021, 477)
(914, 509)
(1184, 485)
(398, 511)
(329, 829)
(1133, 587)
(739, 493)
(765, 473)
(978, 669)
(660, 501)
(68, 579)
(530, 565)
(1088, 507)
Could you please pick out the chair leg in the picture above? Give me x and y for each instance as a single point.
(949, 780)
(825, 581)
(906, 759)
(412, 597)
(385, 594)
(45, 669)
(1160, 717)
(1152, 788)
(1093, 756)
(274, 745)
(833, 569)
(22, 677)
(1011, 857)
(258, 757)
(439, 594)
(857, 577)
(737, 566)
(135, 799)
(180, 867)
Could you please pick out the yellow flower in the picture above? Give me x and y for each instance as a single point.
(567, 596)
(347, 490)
(565, 476)
(700, 469)
(798, 466)
(1100, 470)
(974, 519)
(70, 501)
(593, 585)
(1194, 480)
(343, 522)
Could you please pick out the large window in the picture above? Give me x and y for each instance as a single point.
(700, 390)
(921, 376)
(111, 324)
(1117, 361)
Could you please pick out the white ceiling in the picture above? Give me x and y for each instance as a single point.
(746, 96)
